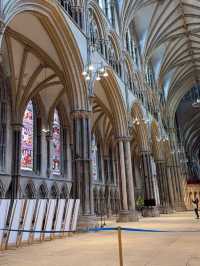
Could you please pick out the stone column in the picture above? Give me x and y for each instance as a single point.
(149, 194)
(16, 157)
(170, 185)
(82, 168)
(164, 192)
(180, 205)
(48, 140)
(130, 184)
(107, 177)
(127, 210)
(175, 170)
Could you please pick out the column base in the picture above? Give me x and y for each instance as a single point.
(150, 212)
(127, 216)
(85, 222)
(166, 210)
(180, 207)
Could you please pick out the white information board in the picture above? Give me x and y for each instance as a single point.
(75, 215)
(15, 221)
(4, 207)
(68, 215)
(39, 218)
(49, 217)
(31, 204)
(60, 213)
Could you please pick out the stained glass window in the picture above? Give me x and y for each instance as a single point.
(27, 139)
(56, 150)
(94, 159)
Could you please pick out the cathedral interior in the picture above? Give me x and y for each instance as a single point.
(99, 101)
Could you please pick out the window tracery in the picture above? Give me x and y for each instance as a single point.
(27, 138)
(112, 58)
(56, 141)
(96, 42)
(74, 10)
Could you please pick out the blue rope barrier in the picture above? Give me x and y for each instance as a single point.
(142, 230)
(99, 229)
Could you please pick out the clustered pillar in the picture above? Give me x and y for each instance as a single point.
(16, 148)
(176, 175)
(166, 201)
(150, 208)
(82, 170)
(127, 199)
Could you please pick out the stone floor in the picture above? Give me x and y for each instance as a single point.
(101, 249)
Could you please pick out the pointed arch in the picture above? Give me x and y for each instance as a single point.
(70, 59)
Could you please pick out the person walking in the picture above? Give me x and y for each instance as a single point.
(196, 210)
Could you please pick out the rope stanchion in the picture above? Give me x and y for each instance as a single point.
(120, 247)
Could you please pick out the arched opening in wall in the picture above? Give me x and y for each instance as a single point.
(54, 192)
(43, 63)
(50, 62)
(75, 10)
(128, 76)
(43, 191)
(8, 193)
(109, 122)
(30, 191)
(64, 192)
(112, 55)
(2, 190)
(139, 144)
(96, 32)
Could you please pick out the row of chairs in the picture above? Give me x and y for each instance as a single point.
(25, 221)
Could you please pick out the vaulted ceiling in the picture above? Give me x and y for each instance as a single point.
(168, 33)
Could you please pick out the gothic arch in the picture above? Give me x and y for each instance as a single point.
(116, 102)
(43, 192)
(62, 40)
(30, 191)
(140, 127)
(2, 190)
(54, 191)
(157, 145)
(64, 192)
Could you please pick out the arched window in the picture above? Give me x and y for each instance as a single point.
(96, 40)
(56, 149)
(94, 160)
(27, 138)
(108, 8)
(112, 57)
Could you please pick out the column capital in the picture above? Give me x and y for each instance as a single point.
(123, 138)
(145, 152)
(17, 126)
(80, 113)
